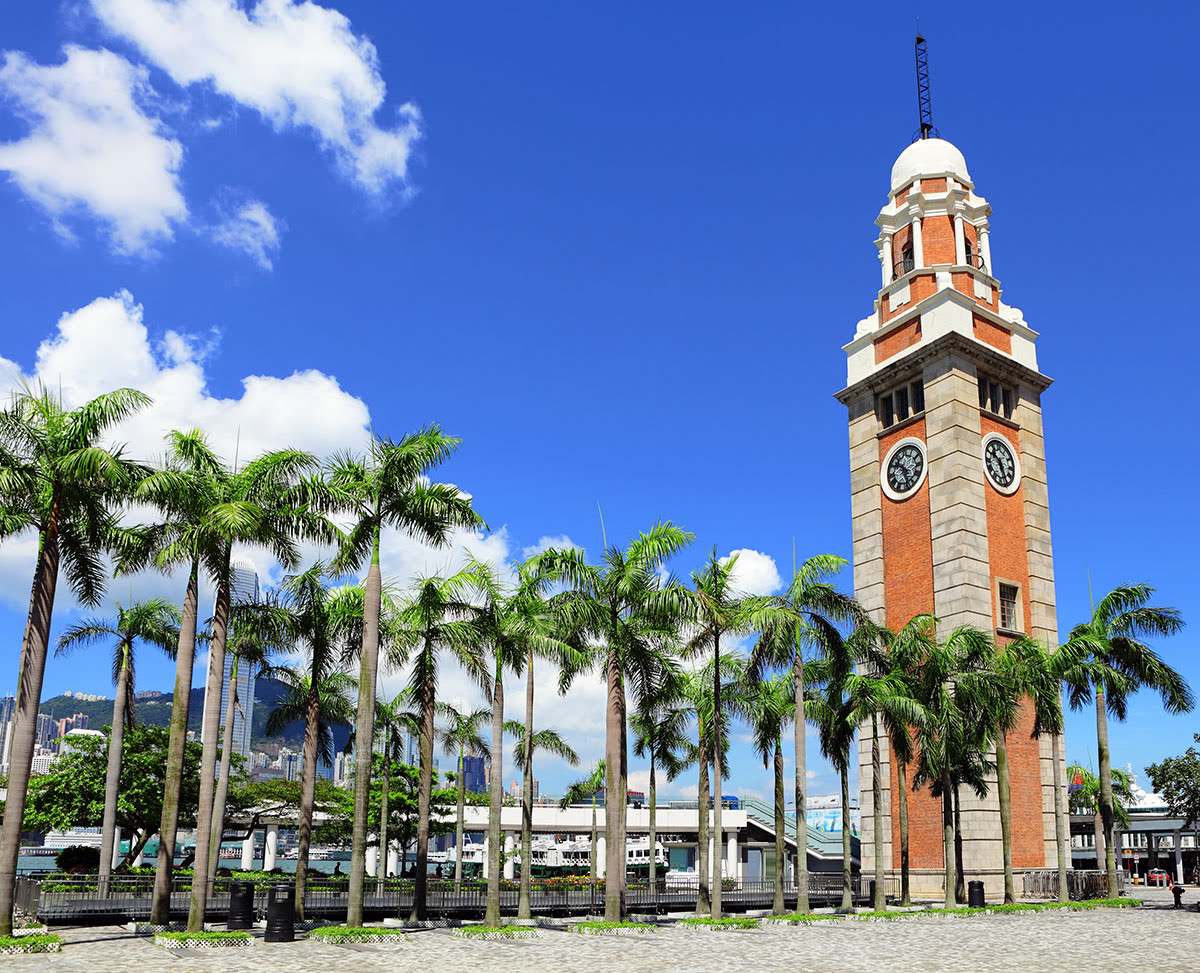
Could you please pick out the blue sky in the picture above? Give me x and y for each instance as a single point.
(616, 248)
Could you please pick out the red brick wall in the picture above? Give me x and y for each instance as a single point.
(992, 334)
(896, 341)
(920, 286)
(908, 591)
(1007, 560)
(933, 185)
(937, 239)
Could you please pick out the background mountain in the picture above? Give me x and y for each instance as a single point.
(154, 709)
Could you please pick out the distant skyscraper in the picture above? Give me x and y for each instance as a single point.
(45, 730)
(474, 778)
(244, 590)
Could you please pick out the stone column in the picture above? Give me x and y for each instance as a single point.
(918, 246)
(392, 865)
(733, 863)
(373, 861)
(116, 854)
(960, 241)
(270, 847)
(885, 256)
(601, 845)
(509, 863)
(487, 858)
(985, 248)
(1179, 857)
(248, 852)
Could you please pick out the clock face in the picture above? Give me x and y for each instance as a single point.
(999, 462)
(905, 467)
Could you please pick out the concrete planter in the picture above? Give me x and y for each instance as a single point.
(12, 948)
(521, 932)
(32, 931)
(167, 942)
(334, 939)
(619, 931)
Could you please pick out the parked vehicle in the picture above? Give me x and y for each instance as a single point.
(1159, 877)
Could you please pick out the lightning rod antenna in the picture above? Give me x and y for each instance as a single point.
(923, 101)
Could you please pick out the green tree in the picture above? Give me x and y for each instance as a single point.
(804, 619)
(57, 479)
(1177, 779)
(153, 622)
(769, 707)
(435, 620)
(391, 719)
(581, 792)
(326, 625)
(620, 611)
(72, 794)
(1085, 798)
(1119, 662)
(460, 735)
(388, 487)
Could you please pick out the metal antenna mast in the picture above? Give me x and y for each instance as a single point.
(923, 103)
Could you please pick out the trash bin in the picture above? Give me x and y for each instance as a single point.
(281, 915)
(975, 895)
(871, 893)
(241, 905)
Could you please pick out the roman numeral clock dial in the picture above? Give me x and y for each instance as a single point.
(904, 469)
(1000, 463)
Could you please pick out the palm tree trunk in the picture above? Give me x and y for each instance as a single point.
(381, 871)
(703, 902)
(218, 819)
(960, 882)
(1061, 838)
(778, 906)
(208, 758)
(1106, 793)
(308, 790)
(801, 787)
(160, 910)
(364, 726)
(135, 848)
(112, 779)
(425, 790)
(718, 833)
(653, 829)
(847, 894)
(880, 902)
(29, 692)
(595, 864)
(459, 829)
(902, 805)
(523, 904)
(948, 838)
(491, 916)
(1098, 829)
(614, 810)
(1004, 792)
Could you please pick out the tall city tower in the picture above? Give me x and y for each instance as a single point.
(948, 485)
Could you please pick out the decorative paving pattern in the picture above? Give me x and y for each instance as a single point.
(1156, 938)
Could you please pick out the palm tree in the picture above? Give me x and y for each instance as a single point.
(180, 492)
(327, 626)
(391, 719)
(580, 792)
(620, 610)
(459, 736)
(1118, 662)
(58, 480)
(659, 734)
(548, 741)
(769, 706)
(718, 610)
(256, 632)
(436, 618)
(388, 488)
(953, 735)
(882, 695)
(804, 618)
(153, 622)
(1085, 799)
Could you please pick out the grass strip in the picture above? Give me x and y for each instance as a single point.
(726, 922)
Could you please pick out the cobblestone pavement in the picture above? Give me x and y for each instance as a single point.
(1155, 938)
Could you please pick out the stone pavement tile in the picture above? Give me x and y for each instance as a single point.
(1104, 940)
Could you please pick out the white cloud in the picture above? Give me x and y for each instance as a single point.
(248, 226)
(562, 542)
(92, 148)
(754, 573)
(297, 64)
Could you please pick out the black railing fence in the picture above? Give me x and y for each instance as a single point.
(77, 898)
(1081, 884)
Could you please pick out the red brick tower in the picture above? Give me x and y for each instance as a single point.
(948, 484)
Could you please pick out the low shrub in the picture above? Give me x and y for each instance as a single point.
(497, 932)
(602, 927)
(726, 922)
(357, 934)
(78, 858)
(40, 943)
(214, 936)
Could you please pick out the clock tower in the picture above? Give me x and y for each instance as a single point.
(948, 486)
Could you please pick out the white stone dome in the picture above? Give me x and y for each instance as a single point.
(928, 157)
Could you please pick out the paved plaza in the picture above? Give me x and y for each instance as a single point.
(1155, 938)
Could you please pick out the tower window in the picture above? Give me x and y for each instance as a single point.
(901, 403)
(1009, 598)
(995, 398)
